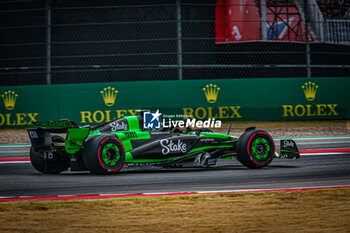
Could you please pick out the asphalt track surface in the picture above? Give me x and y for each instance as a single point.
(21, 179)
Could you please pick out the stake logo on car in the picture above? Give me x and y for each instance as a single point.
(116, 126)
(287, 143)
(169, 146)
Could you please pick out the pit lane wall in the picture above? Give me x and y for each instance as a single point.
(228, 100)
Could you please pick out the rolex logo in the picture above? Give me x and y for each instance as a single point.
(211, 92)
(9, 98)
(310, 90)
(109, 94)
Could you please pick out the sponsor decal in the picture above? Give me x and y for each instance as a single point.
(115, 126)
(109, 95)
(288, 143)
(310, 110)
(211, 92)
(33, 134)
(207, 140)
(170, 146)
(160, 132)
(54, 124)
(151, 120)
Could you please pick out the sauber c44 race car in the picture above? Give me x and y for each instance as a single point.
(107, 148)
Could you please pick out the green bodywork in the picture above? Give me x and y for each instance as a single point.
(138, 134)
(164, 147)
(76, 137)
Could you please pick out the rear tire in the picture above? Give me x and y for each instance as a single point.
(37, 160)
(255, 149)
(104, 154)
(49, 167)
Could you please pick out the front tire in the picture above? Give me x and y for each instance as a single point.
(104, 154)
(255, 149)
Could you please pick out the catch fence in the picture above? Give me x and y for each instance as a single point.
(57, 42)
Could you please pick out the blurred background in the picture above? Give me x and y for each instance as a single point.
(82, 41)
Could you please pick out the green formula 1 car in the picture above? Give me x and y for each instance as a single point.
(107, 148)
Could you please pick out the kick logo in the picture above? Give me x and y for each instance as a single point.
(151, 120)
(116, 126)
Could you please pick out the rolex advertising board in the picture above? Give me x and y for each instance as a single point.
(227, 100)
(20, 106)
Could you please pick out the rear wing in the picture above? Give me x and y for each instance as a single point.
(56, 126)
(41, 139)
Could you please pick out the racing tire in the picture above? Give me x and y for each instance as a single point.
(255, 149)
(104, 154)
(49, 167)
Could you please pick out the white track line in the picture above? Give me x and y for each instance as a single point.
(105, 196)
(315, 138)
(8, 162)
